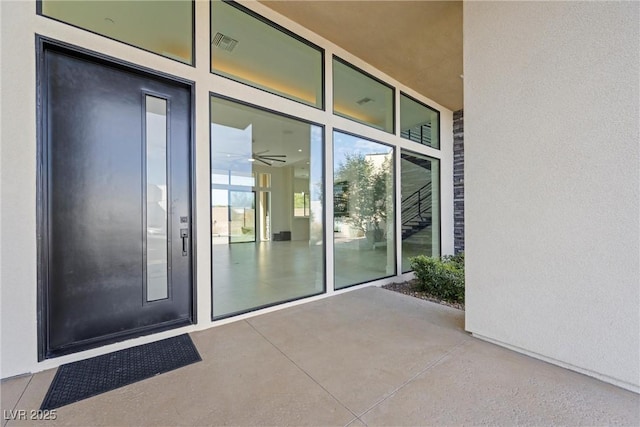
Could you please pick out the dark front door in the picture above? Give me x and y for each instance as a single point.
(116, 194)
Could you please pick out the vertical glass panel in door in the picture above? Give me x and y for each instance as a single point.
(420, 215)
(418, 122)
(363, 226)
(268, 158)
(156, 162)
(164, 27)
(242, 216)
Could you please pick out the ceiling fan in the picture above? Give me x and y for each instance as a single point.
(268, 159)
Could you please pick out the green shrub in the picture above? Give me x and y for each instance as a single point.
(457, 259)
(441, 277)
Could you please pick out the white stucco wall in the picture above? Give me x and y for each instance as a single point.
(552, 182)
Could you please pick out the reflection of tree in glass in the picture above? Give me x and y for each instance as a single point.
(362, 187)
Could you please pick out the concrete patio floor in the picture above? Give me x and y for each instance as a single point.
(368, 357)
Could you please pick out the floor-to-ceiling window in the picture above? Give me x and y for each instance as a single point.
(265, 250)
(363, 225)
(420, 182)
(420, 211)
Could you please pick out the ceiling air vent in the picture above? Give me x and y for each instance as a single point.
(224, 42)
(364, 100)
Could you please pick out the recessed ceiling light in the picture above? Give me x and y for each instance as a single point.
(252, 160)
(299, 150)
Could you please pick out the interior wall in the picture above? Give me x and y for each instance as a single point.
(300, 225)
(552, 188)
(281, 203)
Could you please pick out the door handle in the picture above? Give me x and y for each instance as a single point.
(184, 234)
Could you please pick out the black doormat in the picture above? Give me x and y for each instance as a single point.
(80, 380)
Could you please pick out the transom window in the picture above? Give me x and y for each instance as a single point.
(252, 50)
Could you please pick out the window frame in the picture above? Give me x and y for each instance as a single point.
(323, 127)
(366, 74)
(394, 151)
(306, 207)
(430, 158)
(411, 98)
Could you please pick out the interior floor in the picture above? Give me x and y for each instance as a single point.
(255, 274)
(251, 275)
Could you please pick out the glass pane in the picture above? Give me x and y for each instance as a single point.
(418, 122)
(282, 257)
(244, 179)
(163, 27)
(301, 204)
(361, 98)
(420, 214)
(242, 216)
(364, 210)
(157, 244)
(219, 177)
(250, 50)
(220, 216)
(298, 204)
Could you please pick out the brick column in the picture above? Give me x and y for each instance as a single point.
(458, 181)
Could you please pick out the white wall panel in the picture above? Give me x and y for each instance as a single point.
(552, 181)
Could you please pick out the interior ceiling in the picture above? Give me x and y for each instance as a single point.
(269, 133)
(418, 43)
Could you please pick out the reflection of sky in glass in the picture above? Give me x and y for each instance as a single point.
(315, 168)
(344, 145)
(231, 148)
(156, 148)
(219, 197)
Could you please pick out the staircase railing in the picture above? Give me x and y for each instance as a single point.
(416, 207)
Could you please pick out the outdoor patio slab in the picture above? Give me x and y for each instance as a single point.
(368, 357)
(363, 345)
(32, 397)
(242, 380)
(10, 392)
(483, 384)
